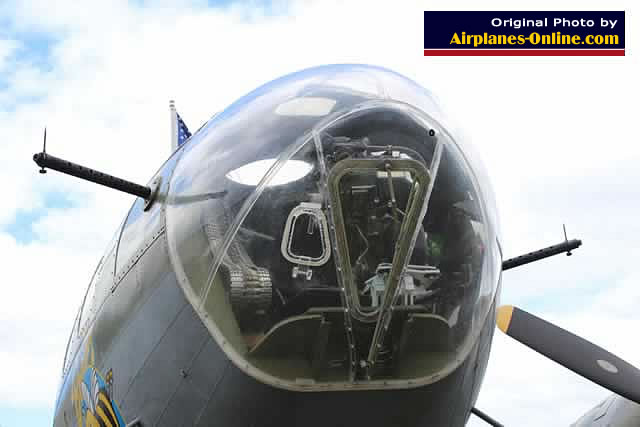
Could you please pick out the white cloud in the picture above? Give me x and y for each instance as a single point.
(7, 48)
(522, 388)
(556, 135)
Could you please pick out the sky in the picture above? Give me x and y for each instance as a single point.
(557, 135)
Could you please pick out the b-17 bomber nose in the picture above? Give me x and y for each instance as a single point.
(351, 243)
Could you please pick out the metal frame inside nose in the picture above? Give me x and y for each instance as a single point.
(403, 247)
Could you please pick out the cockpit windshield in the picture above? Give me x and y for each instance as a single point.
(331, 234)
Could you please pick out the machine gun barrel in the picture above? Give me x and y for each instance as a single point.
(45, 160)
(565, 246)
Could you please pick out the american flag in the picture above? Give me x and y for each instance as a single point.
(183, 131)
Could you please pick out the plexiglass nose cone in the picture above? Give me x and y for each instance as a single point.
(351, 242)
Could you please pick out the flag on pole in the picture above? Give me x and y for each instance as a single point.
(179, 130)
(183, 131)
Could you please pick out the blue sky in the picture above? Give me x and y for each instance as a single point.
(21, 417)
(32, 50)
(22, 226)
(556, 135)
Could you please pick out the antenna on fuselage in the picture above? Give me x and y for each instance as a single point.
(45, 160)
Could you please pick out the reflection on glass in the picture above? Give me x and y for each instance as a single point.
(346, 250)
(252, 173)
(306, 106)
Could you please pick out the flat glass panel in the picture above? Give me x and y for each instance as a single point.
(100, 284)
(141, 224)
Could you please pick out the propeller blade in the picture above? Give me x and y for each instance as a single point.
(571, 351)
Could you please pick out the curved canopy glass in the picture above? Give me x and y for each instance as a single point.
(332, 234)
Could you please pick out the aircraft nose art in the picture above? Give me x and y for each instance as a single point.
(332, 234)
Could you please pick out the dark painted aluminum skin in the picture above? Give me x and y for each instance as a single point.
(168, 371)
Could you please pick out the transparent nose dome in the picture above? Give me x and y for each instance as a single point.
(331, 234)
